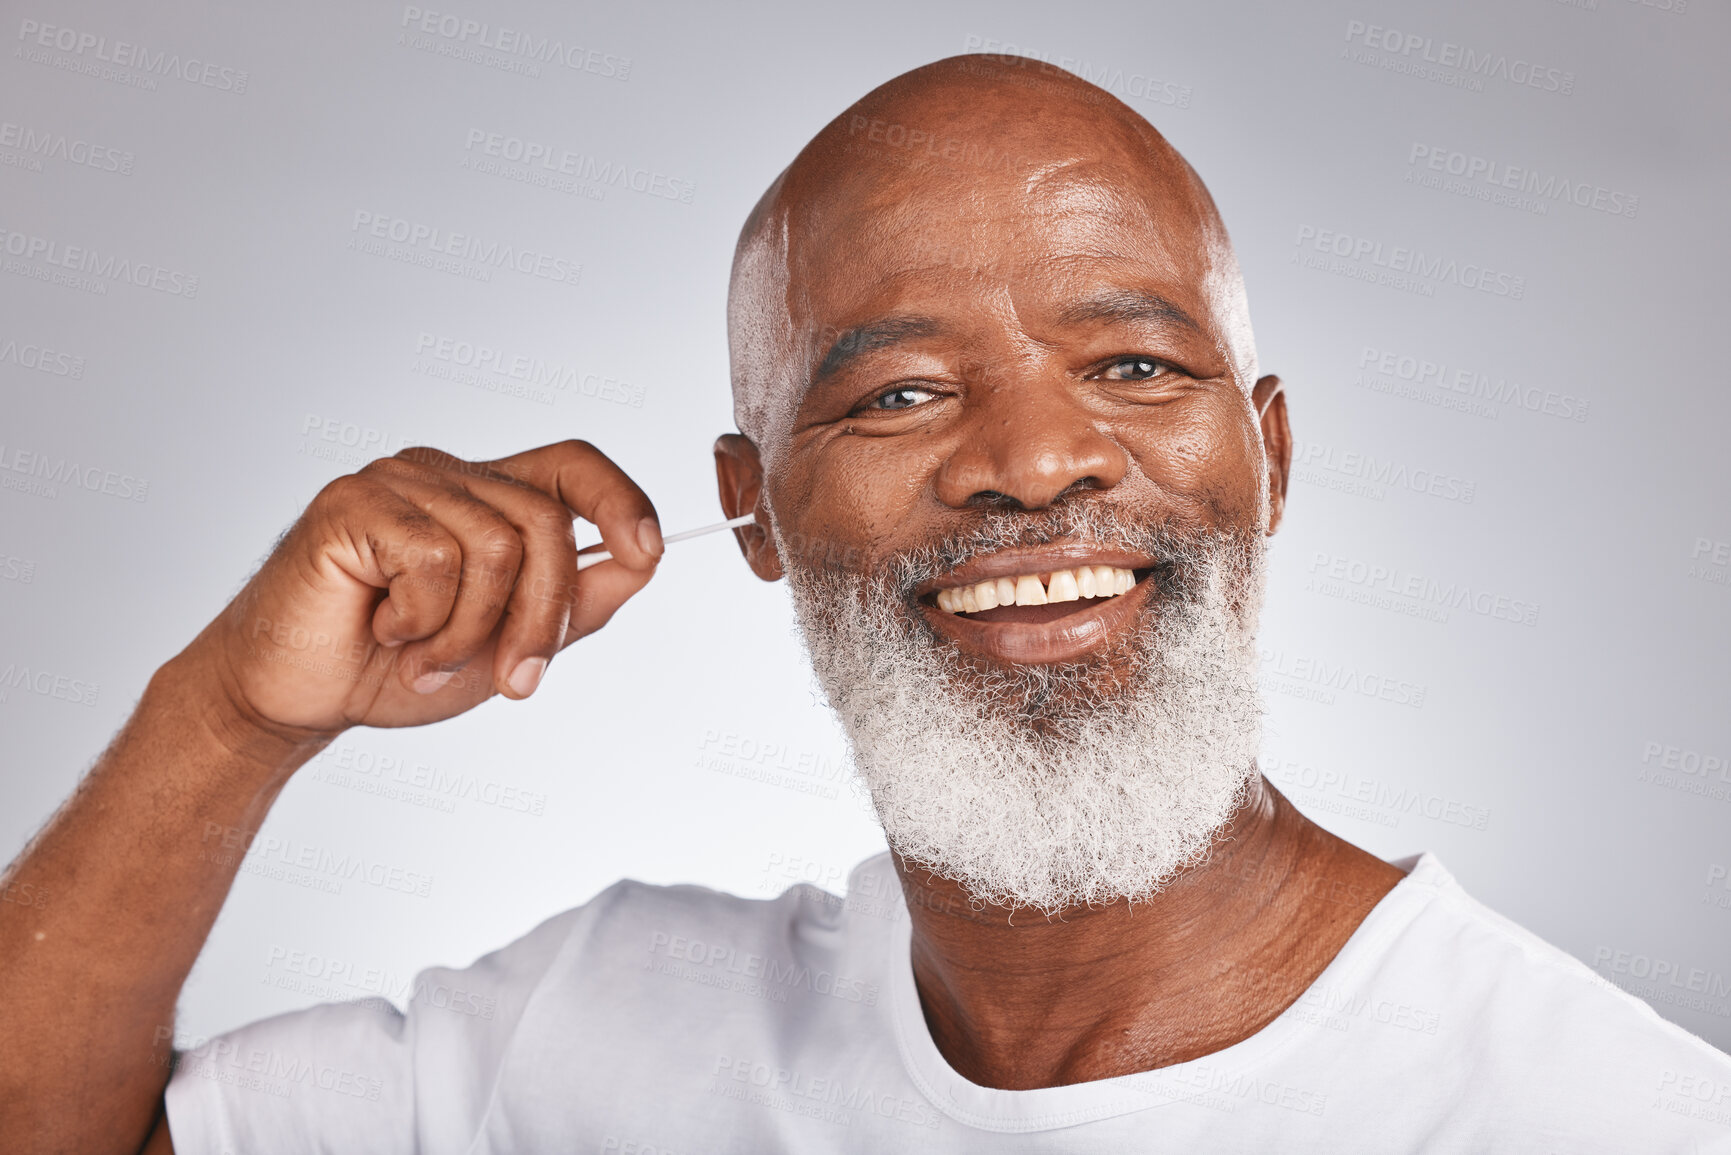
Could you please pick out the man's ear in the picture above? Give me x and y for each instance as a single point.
(1269, 399)
(739, 476)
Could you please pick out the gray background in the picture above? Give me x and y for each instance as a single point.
(1563, 768)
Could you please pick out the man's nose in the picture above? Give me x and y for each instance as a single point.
(1027, 442)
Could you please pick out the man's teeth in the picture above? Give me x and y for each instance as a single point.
(1064, 585)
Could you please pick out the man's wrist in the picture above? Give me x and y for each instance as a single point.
(198, 694)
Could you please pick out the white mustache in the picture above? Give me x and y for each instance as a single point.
(1179, 551)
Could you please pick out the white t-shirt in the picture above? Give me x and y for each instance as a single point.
(677, 1021)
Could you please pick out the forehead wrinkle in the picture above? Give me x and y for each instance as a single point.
(871, 336)
(1127, 305)
(1041, 138)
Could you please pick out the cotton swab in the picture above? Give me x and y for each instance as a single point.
(585, 560)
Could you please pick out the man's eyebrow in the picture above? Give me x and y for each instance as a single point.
(862, 339)
(1128, 305)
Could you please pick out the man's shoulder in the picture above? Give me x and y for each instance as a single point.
(782, 896)
(1531, 1001)
(659, 913)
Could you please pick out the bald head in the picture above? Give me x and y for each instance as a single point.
(961, 176)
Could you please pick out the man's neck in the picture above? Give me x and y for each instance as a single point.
(1017, 1000)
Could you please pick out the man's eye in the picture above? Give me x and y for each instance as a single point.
(1134, 369)
(904, 398)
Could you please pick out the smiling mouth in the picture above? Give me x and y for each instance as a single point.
(1036, 598)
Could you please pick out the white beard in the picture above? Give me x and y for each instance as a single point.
(1049, 786)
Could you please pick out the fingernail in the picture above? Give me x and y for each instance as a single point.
(429, 682)
(527, 676)
(649, 537)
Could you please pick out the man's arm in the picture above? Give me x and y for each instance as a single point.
(406, 594)
(128, 885)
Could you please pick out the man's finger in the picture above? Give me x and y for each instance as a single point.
(486, 573)
(538, 613)
(373, 534)
(587, 482)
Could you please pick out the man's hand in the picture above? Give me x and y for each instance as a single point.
(424, 584)
(406, 593)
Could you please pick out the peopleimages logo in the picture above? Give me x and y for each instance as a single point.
(1710, 561)
(1371, 793)
(1479, 393)
(40, 144)
(1665, 980)
(89, 268)
(269, 854)
(1137, 85)
(1369, 475)
(54, 362)
(1705, 774)
(89, 51)
(1524, 187)
(48, 684)
(424, 244)
(1452, 595)
(533, 378)
(1411, 269)
(827, 1098)
(1445, 61)
(532, 155)
(335, 979)
(43, 474)
(1317, 679)
(526, 47)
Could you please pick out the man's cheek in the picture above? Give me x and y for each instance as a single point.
(813, 533)
(862, 498)
(1201, 461)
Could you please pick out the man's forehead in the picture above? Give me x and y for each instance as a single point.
(1073, 205)
(955, 182)
(1070, 204)
(1048, 259)
(1099, 298)
(1065, 191)
(1077, 248)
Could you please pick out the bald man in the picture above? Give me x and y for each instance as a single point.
(1004, 434)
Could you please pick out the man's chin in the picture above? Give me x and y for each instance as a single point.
(1098, 682)
(1044, 784)
(1091, 850)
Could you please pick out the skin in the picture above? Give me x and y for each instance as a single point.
(1009, 399)
(423, 585)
